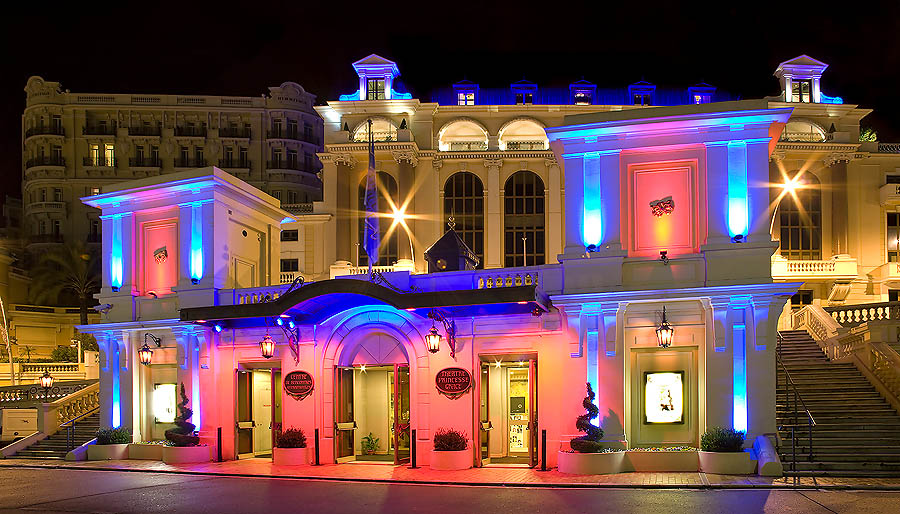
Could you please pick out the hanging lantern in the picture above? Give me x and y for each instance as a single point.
(46, 380)
(433, 340)
(665, 332)
(267, 347)
(145, 354)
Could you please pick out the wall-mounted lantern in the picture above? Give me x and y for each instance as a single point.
(145, 354)
(267, 346)
(433, 339)
(665, 332)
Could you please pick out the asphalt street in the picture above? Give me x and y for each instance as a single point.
(77, 491)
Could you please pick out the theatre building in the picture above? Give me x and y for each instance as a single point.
(666, 225)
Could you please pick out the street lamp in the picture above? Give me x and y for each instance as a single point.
(665, 332)
(46, 382)
(267, 346)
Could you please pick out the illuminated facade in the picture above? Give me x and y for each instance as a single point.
(655, 201)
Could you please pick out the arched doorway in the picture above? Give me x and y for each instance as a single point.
(372, 400)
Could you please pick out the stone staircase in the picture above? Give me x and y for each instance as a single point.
(857, 432)
(54, 447)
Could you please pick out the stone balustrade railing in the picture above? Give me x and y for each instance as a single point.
(853, 315)
(862, 334)
(488, 279)
(29, 394)
(52, 415)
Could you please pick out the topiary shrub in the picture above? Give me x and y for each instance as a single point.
(450, 440)
(718, 439)
(291, 438)
(590, 441)
(121, 435)
(183, 434)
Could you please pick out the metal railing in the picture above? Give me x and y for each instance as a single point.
(146, 162)
(99, 130)
(888, 147)
(190, 163)
(234, 163)
(45, 131)
(145, 130)
(45, 161)
(796, 408)
(100, 162)
(190, 131)
(235, 132)
(69, 427)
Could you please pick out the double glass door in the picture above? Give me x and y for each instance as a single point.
(258, 411)
(372, 414)
(508, 414)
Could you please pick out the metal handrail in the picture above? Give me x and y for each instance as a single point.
(70, 428)
(791, 387)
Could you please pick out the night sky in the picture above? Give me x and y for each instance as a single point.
(241, 49)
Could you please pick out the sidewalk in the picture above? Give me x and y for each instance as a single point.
(489, 476)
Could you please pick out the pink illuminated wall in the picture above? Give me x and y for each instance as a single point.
(159, 256)
(677, 184)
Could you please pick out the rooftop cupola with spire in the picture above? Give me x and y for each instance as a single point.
(800, 79)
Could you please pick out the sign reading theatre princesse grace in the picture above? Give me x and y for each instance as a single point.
(298, 384)
(453, 382)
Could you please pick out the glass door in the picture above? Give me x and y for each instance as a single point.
(276, 405)
(533, 411)
(344, 423)
(484, 414)
(401, 423)
(518, 412)
(244, 421)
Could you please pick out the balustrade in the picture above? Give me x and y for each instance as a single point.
(853, 315)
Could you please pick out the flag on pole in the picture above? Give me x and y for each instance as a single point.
(371, 235)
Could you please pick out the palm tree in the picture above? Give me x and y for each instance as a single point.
(71, 269)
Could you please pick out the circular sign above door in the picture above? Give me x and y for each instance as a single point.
(298, 384)
(453, 382)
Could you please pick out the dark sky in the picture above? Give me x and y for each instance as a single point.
(241, 49)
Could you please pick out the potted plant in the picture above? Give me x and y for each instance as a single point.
(290, 448)
(588, 456)
(185, 441)
(369, 444)
(722, 452)
(112, 444)
(147, 450)
(451, 450)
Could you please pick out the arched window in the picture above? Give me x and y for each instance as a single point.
(464, 200)
(523, 134)
(387, 187)
(805, 131)
(462, 135)
(383, 129)
(800, 216)
(523, 220)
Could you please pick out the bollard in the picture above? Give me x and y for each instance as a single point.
(317, 447)
(412, 449)
(218, 444)
(544, 450)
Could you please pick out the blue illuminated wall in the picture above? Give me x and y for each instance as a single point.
(738, 215)
(739, 357)
(593, 213)
(116, 264)
(196, 241)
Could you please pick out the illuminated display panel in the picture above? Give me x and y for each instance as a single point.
(160, 257)
(164, 403)
(664, 397)
(675, 230)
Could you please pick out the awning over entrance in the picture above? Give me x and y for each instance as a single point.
(315, 302)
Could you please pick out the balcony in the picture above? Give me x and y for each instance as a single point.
(99, 129)
(191, 163)
(235, 164)
(145, 130)
(45, 131)
(293, 135)
(100, 162)
(285, 165)
(190, 131)
(839, 267)
(235, 132)
(145, 162)
(45, 161)
(298, 208)
(45, 207)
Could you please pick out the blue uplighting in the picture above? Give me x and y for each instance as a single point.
(196, 242)
(115, 259)
(349, 98)
(825, 99)
(737, 188)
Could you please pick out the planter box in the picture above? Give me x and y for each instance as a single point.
(590, 463)
(661, 461)
(108, 451)
(185, 454)
(727, 463)
(145, 451)
(292, 456)
(446, 461)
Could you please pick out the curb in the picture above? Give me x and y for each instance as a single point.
(706, 485)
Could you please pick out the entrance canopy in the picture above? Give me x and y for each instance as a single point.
(317, 301)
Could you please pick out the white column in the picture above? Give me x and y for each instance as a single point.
(493, 221)
(717, 193)
(574, 179)
(758, 190)
(553, 234)
(611, 198)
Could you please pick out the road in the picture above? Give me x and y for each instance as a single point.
(76, 491)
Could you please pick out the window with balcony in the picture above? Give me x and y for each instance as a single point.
(277, 128)
(199, 159)
(308, 161)
(154, 155)
(801, 91)
(387, 189)
(109, 154)
(43, 194)
(290, 235)
(57, 194)
(56, 155)
(291, 197)
(277, 158)
(289, 265)
(800, 218)
(94, 155)
(524, 98)
(292, 129)
(243, 158)
(642, 99)
(464, 201)
(292, 159)
(465, 98)
(57, 227)
(229, 156)
(375, 89)
(56, 124)
(277, 194)
(893, 237)
(523, 220)
(42, 227)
